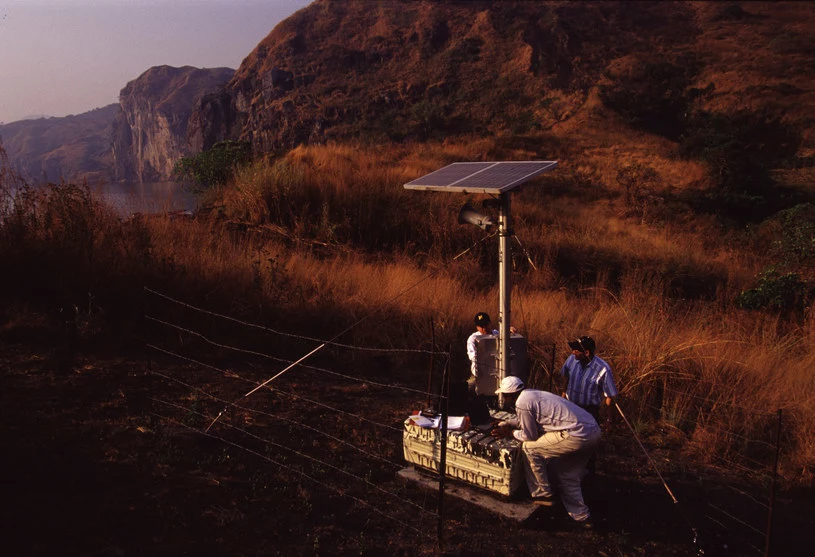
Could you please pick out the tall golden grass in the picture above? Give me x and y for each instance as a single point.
(325, 235)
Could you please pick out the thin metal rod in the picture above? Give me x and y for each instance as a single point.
(668, 489)
(443, 447)
(768, 536)
(263, 385)
(505, 289)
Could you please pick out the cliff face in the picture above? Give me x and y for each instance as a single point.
(418, 69)
(150, 132)
(140, 139)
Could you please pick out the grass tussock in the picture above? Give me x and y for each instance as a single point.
(325, 236)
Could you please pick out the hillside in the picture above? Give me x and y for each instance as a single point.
(419, 69)
(49, 149)
(139, 139)
(699, 95)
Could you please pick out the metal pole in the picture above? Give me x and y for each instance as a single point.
(768, 536)
(443, 448)
(432, 352)
(505, 288)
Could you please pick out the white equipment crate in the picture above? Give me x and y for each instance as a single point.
(473, 456)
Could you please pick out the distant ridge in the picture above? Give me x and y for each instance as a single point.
(50, 149)
(588, 72)
(138, 139)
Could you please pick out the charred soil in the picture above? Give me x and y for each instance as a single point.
(97, 463)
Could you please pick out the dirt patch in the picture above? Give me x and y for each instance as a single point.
(110, 459)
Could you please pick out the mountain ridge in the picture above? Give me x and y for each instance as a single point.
(139, 139)
(589, 73)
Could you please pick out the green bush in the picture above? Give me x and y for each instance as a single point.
(775, 291)
(216, 165)
(796, 244)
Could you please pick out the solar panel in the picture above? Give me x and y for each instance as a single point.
(481, 177)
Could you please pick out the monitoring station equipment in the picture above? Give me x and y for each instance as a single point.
(472, 455)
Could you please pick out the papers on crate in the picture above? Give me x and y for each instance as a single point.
(453, 422)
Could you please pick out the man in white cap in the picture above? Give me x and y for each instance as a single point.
(551, 427)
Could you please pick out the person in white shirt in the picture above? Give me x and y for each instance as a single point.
(483, 327)
(552, 431)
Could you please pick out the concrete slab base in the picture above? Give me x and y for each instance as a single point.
(516, 510)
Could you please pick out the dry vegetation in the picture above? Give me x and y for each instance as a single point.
(312, 241)
(321, 235)
(683, 184)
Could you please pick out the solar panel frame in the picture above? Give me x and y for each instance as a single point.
(481, 177)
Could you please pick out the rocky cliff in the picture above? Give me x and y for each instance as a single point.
(412, 70)
(418, 69)
(149, 134)
(139, 139)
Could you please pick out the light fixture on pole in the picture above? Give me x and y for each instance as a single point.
(469, 215)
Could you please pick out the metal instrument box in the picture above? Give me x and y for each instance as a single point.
(486, 360)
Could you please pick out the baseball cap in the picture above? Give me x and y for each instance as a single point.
(482, 319)
(582, 343)
(510, 384)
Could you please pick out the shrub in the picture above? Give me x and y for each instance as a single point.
(775, 291)
(655, 96)
(215, 166)
(741, 150)
(796, 244)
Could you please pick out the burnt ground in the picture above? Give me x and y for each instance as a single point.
(98, 460)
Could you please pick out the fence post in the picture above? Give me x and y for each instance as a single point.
(443, 447)
(768, 536)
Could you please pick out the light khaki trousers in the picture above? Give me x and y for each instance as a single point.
(567, 457)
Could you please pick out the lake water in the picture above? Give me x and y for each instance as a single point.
(146, 197)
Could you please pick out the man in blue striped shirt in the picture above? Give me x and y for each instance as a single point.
(590, 381)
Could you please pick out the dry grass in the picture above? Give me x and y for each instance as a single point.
(326, 236)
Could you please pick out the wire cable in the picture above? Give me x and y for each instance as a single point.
(351, 326)
(298, 453)
(282, 333)
(283, 418)
(709, 425)
(715, 402)
(735, 519)
(299, 472)
(281, 360)
(284, 393)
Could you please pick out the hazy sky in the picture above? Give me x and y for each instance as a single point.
(60, 57)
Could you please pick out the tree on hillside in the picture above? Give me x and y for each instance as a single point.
(216, 165)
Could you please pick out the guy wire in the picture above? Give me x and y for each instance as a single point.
(653, 464)
(338, 335)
